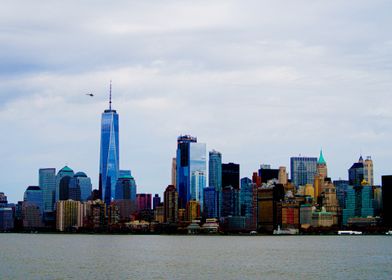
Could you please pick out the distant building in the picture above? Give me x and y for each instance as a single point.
(231, 175)
(322, 169)
(230, 201)
(359, 203)
(80, 187)
(6, 219)
(387, 199)
(156, 200)
(34, 195)
(267, 198)
(368, 171)
(62, 183)
(210, 209)
(282, 176)
(266, 173)
(193, 210)
(303, 170)
(126, 188)
(356, 173)
(215, 170)
(47, 183)
(68, 215)
(248, 203)
(170, 204)
(143, 201)
(159, 213)
(31, 216)
(191, 163)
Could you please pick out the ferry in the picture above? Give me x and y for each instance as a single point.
(389, 232)
(349, 232)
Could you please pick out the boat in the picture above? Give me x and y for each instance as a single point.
(289, 231)
(349, 232)
(389, 232)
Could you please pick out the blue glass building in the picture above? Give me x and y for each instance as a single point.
(341, 188)
(126, 187)
(356, 173)
(302, 170)
(109, 156)
(248, 199)
(191, 163)
(62, 183)
(47, 183)
(215, 175)
(34, 195)
(358, 203)
(210, 209)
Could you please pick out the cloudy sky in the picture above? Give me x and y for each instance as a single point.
(258, 81)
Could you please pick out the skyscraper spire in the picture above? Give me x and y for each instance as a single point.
(110, 96)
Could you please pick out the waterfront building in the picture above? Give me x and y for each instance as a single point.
(266, 173)
(159, 213)
(31, 215)
(68, 215)
(248, 202)
(109, 153)
(230, 201)
(126, 188)
(62, 183)
(193, 210)
(34, 195)
(3, 200)
(113, 214)
(181, 215)
(215, 170)
(305, 215)
(156, 200)
(267, 198)
(359, 203)
(322, 218)
(143, 201)
(303, 170)
(47, 183)
(356, 173)
(377, 200)
(387, 199)
(282, 176)
(322, 169)
(231, 175)
(97, 217)
(170, 204)
(126, 208)
(6, 219)
(368, 171)
(210, 209)
(191, 163)
(290, 214)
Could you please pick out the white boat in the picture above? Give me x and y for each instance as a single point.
(349, 232)
(290, 231)
(389, 232)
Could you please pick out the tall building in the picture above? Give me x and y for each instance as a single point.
(198, 182)
(6, 219)
(231, 175)
(170, 204)
(387, 199)
(267, 173)
(174, 172)
(230, 201)
(143, 201)
(109, 154)
(62, 183)
(322, 169)
(248, 202)
(358, 203)
(215, 170)
(210, 209)
(192, 210)
(126, 187)
(34, 195)
(156, 200)
(191, 157)
(368, 171)
(282, 177)
(303, 170)
(47, 183)
(68, 215)
(356, 173)
(82, 184)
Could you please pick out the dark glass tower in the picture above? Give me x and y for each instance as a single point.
(109, 157)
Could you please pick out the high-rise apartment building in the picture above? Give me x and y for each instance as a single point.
(303, 170)
(109, 153)
(191, 163)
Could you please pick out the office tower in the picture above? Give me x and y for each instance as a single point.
(341, 188)
(6, 219)
(230, 201)
(215, 170)
(62, 183)
(31, 215)
(159, 213)
(231, 175)
(322, 169)
(34, 195)
(126, 187)
(377, 198)
(198, 182)
(248, 202)
(282, 176)
(192, 210)
(143, 201)
(368, 171)
(256, 179)
(387, 199)
(358, 203)
(109, 154)
(156, 200)
(68, 213)
(356, 173)
(303, 170)
(191, 157)
(267, 173)
(267, 199)
(82, 185)
(174, 171)
(210, 209)
(47, 183)
(170, 204)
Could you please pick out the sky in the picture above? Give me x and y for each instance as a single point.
(258, 81)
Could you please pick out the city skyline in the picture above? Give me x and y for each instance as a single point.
(257, 88)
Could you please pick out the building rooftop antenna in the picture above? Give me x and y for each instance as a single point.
(110, 96)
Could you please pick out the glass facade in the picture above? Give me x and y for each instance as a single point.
(34, 195)
(247, 199)
(47, 183)
(210, 209)
(109, 156)
(191, 160)
(62, 183)
(303, 170)
(215, 170)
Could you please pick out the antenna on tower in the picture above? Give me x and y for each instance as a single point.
(110, 96)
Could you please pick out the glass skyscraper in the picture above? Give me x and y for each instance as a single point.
(215, 170)
(47, 183)
(191, 163)
(109, 156)
(303, 170)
